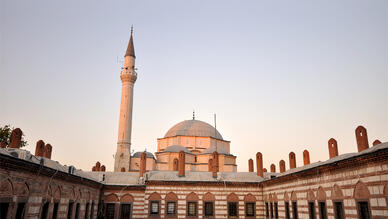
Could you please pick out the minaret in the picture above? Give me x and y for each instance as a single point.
(128, 77)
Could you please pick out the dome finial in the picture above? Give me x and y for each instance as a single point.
(193, 115)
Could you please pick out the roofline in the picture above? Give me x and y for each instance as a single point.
(193, 136)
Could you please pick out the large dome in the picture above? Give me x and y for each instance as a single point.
(193, 128)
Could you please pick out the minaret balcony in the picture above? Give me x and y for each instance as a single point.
(128, 75)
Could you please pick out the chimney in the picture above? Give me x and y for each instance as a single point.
(282, 166)
(306, 157)
(3, 145)
(175, 164)
(94, 168)
(215, 166)
(273, 168)
(210, 165)
(265, 170)
(259, 164)
(182, 163)
(16, 138)
(143, 164)
(333, 148)
(292, 160)
(376, 142)
(102, 168)
(98, 165)
(39, 150)
(362, 138)
(47, 151)
(250, 165)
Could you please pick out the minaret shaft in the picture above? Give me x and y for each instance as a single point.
(128, 78)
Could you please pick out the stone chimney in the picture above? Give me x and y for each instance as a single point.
(39, 149)
(376, 142)
(210, 165)
(250, 165)
(306, 157)
(215, 166)
(333, 148)
(143, 164)
(182, 162)
(292, 160)
(47, 151)
(98, 165)
(102, 168)
(16, 138)
(362, 138)
(273, 168)
(3, 145)
(259, 164)
(175, 164)
(282, 166)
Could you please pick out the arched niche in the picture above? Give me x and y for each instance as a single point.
(336, 193)
(127, 198)
(286, 197)
(111, 198)
(361, 191)
(155, 196)
(249, 198)
(192, 197)
(293, 196)
(209, 197)
(232, 198)
(310, 196)
(6, 188)
(321, 194)
(171, 197)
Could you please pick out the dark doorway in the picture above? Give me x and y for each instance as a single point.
(70, 209)
(77, 211)
(20, 210)
(55, 210)
(125, 211)
(110, 211)
(4, 209)
(363, 209)
(43, 215)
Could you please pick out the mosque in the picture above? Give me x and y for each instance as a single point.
(192, 175)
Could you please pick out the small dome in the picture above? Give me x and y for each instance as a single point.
(176, 148)
(193, 128)
(138, 154)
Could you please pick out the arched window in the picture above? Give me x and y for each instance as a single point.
(250, 205)
(361, 195)
(233, 207)
(192, 205)
(208, 204)
(171, 201)
(154, 204)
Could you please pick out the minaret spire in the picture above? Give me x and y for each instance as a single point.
(130, 49)
(128, 78)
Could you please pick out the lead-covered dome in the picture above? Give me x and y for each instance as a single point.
(193, 128)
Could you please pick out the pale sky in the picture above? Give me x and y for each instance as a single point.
(280, 75)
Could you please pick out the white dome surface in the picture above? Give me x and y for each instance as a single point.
(193, 128)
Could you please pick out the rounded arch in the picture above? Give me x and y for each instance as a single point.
(171, 197)
(72, 194)
(209, 197)
(232, 198)
(285, 197)
(6, 187)
(111, 198)
(249, 198)
(321, 194)
(275, 197)
(293, 196)
(310, 195)
(21, 189)
(336, 193)
(361, 191)
(192, 197)
(270, 197)
(57, 193)
(155, 196)
(126, 198)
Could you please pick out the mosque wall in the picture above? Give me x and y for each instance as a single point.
(346, 187)
(44, 191)
(220, 194)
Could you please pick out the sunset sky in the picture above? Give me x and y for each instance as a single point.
(280, 75)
